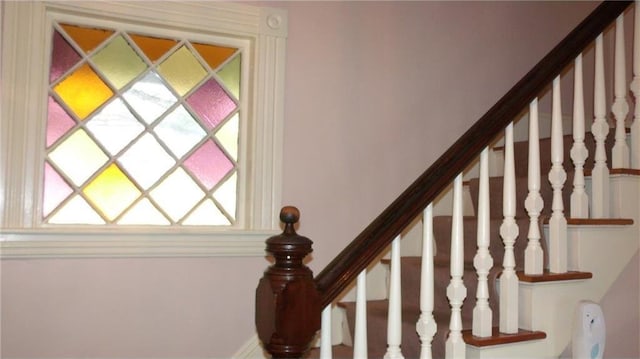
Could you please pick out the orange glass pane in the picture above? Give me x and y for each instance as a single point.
(83, 91)
(214, 55)
(112, 192)
(87, 38)
(153, 47)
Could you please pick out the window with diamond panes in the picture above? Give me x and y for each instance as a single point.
(141, 130)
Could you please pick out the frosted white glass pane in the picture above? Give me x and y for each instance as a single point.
(144, 213)
(78, 157)
(177, 194)
(207, 214)
(228, 137)
(226, 195)
(180, 131)
(146, 161)
(76, 211)
(150, 97)
(114, 126)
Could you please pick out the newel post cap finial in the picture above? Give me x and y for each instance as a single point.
(287, 299)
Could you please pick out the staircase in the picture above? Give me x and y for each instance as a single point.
(377, 310)
(500, 272)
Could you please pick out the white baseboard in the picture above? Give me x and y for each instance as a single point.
(251, 350)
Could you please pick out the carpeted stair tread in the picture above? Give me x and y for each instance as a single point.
(411, 266)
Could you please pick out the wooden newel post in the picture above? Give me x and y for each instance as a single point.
(287, 301)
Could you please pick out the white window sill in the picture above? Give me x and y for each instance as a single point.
(133, 243)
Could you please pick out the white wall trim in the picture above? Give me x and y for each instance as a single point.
(92, 244)
(251, 350)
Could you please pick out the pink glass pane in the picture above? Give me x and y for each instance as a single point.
(211, 103)
(58, 123)
(63, 57)
(209, 164)
(55, 190)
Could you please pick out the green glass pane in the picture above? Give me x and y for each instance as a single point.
(76, 211)
(144, 212)
(119, 62)
(182, 70)
(114, 126)
(83, 91)
(226, 195)
(179, 131)
(228, 137)
(207, 214)
(150, 97)
(230, 76)
(78, 157)
(146, 161)
(177, 194)
(111, 191)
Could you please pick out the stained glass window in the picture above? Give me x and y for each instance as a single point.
(141, 130)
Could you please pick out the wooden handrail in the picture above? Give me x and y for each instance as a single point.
(343, 270)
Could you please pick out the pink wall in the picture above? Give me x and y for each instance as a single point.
(375, 92)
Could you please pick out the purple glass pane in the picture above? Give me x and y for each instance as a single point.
(209, 164)
(58, 122)
(55, 190)
(211, 103)
(63, 57)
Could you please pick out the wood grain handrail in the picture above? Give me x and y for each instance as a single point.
(345, 267)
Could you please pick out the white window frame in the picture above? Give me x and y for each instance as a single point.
(24, 68)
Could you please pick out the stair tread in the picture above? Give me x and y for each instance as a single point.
(498, 338)
(547, 276)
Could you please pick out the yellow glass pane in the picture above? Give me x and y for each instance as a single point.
(87, 38)
(214, 55)
(83, 91)
(182, 70)
(153, 47)
(230, 75)
(207, 214)
(112, 192)
(78, 157)
(144, 212)
(228, 137)
(119, 62)
(76, 211)
(226, 195)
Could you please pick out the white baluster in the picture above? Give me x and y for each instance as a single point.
(426, 326)
(620, 107)
(394, 322)
(600, 129)
(325, 334)
(456, 291)
(509, 232)
(579, 152)
(635, 88)
(483, 262)
(557, 177)
(360, 335)
(533, 255)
